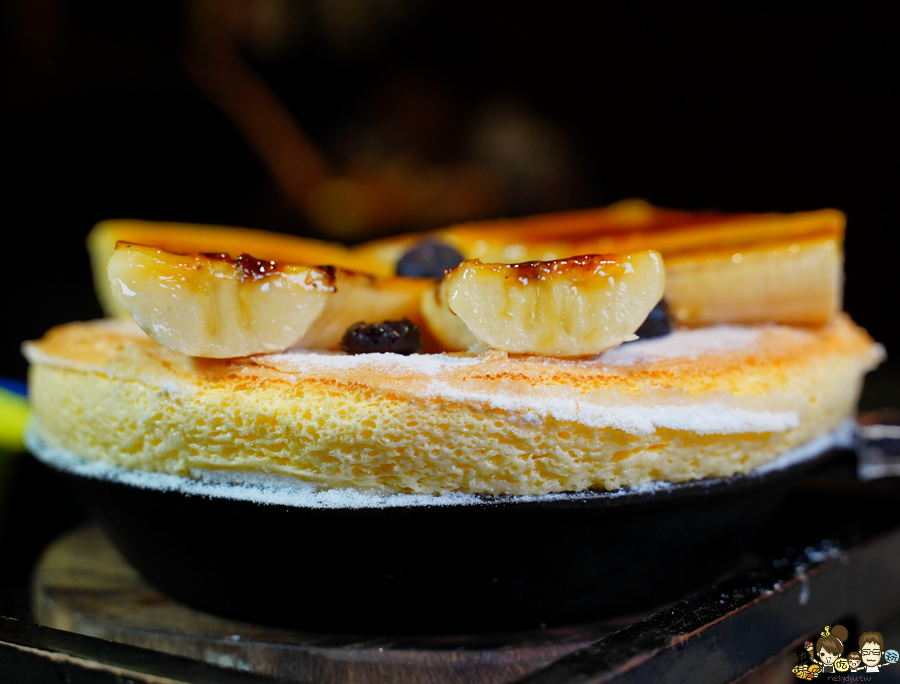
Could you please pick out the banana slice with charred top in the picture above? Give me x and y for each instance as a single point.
(568, 307)
(216, 306)
(186, 238)
(213, 305)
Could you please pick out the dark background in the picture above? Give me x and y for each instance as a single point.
(757, 111)
(738, 111)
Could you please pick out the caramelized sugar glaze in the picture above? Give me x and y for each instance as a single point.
(588, 264)
(251, 267)
(254, 269)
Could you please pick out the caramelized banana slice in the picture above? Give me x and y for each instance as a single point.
(186, 238)
(446, 326)
(622, 228)
(216, 306)
(569, 307)
(219, 307)
(738, 268)
(796, 282)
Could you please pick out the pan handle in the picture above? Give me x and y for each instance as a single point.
(877, 444)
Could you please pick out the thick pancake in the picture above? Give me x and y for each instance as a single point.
(710, 402)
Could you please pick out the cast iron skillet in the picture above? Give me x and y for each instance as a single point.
(501, 564)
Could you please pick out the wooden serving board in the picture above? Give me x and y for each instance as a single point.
(82, 584)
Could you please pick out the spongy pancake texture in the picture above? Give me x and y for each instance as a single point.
(704, 403)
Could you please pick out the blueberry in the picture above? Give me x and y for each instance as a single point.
(428, 259)
(658, 322)
(399, 337)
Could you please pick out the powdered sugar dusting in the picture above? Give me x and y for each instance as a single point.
(270, 489)
(705, 419)
(460, 379)
(306, 361)
(683, 344)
